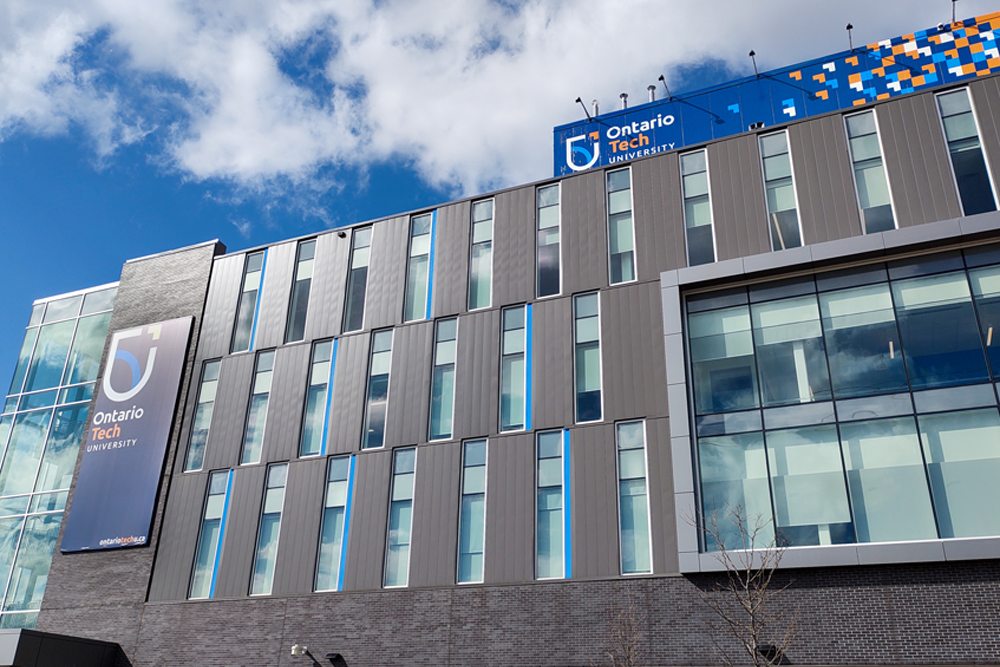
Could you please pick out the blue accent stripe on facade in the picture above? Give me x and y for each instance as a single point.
(567, 507)
(222, 533)
(260, 291)
(347, 524)
(527, 367)
(430, 264)
(329, 396)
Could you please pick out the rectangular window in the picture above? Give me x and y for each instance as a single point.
(481, 262)
(633, 503)
(779, 186)
(295, 329)
(869, 173)
(270, 525)
(378, 389)
(213, 526)
(443, 380)
(357, 279)
(317, 399)
(246, 311)
(966, 151)
(621, 231)
(513, 369)
(418, 268)
(260, 394)
(203, 415)
(549, 533)
(587, 336)
(397, 550)
(697, 208)
(547, 273)
(472, 524)
(334, 528)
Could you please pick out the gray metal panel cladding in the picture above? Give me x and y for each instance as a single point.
(435, 515)
(739, 212)
(514, 246)
(660, 490)
(634, 363)
(225, 435)
(240, 538)
(658, 215)
(451, 259)
(916, 161)
(347, 404)
(369, 518)
(326, 292)
(584, 233)
(594, 497)
(275, 292)
(510, 509)
(986, 102)
(552, 363)
(477, 375)
(179, 537)
(220, 306)
(409, 384)
(302, 514)
(387, 273)
(828, 203)
(286, 403)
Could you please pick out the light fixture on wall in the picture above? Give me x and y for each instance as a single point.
(299, 650)
(343, 235)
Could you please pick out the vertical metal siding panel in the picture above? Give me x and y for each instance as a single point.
(387, 273)
(276, 290)
(326, 292)
(658, 215)
(738, 208)
(370, 512)
(179, 538)
(634, 363)
(451, 259)
(916, 161)
(220, 306)
(301, 516)
(552, 357)
(477, 375)
(435, 515)
(510, 510)
(409, 385)
(286, 404)
(236, 562)
(347, 404)
(594, 495)
(514, 246)
(986, 100)
(660, 489)
(828, 204)
(225, 435)
(584, 233)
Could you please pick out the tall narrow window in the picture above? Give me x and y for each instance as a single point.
(246, 312)
(397, 550)
(331, 544)
(697, 208)
(417, 271)
(549, 537)
(295, 329)
(270, 525)
(587, 333)
(782, 211)
(481, 263)
(253, 437)
(378, 389)
(357, 279)
(547, 274)
(443, 382)
(472, 526)
(632, 499)
(203, 415)
(621, 231)
(213, 525)
(869, 173)
(317, 399)
(512, 369)
(967, 159)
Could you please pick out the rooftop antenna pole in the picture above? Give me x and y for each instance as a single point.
(652, 92)
(850, 38)
(584, 109)
(624, 97)
(753, 57)
(953, 11)
(664, 82)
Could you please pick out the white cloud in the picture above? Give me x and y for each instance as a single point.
(466, 93)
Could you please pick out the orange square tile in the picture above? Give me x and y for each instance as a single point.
(854, 78)
(993, 62)
(961, 42)
(883, 96)
(796, 75)
(904, 75)
(880, 71)
(918, 81)
(968, 69)
(952, 53)
(853, 60)
(982, 72)
(821, 77)
(823, 95)
(899, 48)
(976, 48)
(858, 103)
(928, 68)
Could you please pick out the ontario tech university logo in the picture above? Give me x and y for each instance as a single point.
(590, 157)
(139, 377)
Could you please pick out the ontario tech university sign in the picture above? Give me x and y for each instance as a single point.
(890, 68)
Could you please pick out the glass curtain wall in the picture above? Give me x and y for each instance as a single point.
(481, 262)
(967, 159)
(779, 186)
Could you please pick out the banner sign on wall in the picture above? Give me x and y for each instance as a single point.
(112, 506)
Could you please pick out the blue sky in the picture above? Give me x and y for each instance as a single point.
(131, 128)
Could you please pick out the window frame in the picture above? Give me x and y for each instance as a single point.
(249, 408)
(329, 395)
(428, 281)
(795, 189)
(885, 170)
(350, 275)
(600, 361)
(472, 245)
(618, 499)
(979, 136)
(260, 524)
(526, 396)
(461, 495)
(607, 214)
(368, 382)
(538, 188)
(711, 208)
(342, 556)
(562, 491)
(222, 533)
(256, 306)
(434, 366)
(388, 518)
(197, 404)
(295, 282)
